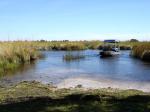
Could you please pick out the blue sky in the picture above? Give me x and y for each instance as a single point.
(74, 19)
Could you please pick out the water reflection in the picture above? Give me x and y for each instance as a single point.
(21, 69)
(54, 69)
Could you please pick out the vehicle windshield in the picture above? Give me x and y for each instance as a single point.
(110, 46)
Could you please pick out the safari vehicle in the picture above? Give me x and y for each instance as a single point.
(110, 48)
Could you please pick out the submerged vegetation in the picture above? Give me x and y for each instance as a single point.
(36, 97)
(71, 57)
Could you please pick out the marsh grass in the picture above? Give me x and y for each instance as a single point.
(72, 57)
(12, 55)
(141, 51)
(61, 45)
(70, 45)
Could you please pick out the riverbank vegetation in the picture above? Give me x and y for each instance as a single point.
(142, 51)
(36, 97)
(66, 45)
(71, 45)
(60, 45)
(12, 55)
(18, 52)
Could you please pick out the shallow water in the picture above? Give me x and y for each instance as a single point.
(53, 69)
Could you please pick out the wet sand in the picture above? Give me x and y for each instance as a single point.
(90, 83)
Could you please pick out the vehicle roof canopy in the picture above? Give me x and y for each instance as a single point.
(111, 41)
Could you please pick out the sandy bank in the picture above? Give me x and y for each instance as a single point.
(102, 83)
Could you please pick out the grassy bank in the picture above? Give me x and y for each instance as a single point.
(142, 51)
(36, 97)
(60, 45)
(12, 55)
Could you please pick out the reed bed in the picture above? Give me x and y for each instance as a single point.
(142, 51)
(70, 45)
(67, 46)
(12, 55)
(60, 45)
(15, 53)
(71, 57)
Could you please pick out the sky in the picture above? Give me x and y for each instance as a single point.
(74, 19)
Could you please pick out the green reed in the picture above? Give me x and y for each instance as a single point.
(12, 55)
(142, 51)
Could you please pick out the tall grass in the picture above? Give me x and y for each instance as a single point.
(70, 45)
(12, 55)
(61, 45)
(141, 51)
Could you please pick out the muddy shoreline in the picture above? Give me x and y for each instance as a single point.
(36, 97)
(93, 83)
